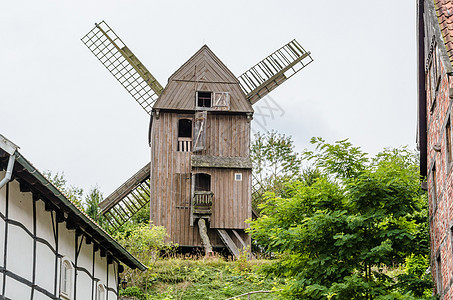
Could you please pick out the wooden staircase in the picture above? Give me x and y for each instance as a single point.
(229, 243)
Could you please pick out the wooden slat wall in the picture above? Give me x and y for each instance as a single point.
(203, 72)
(231, 203)
(169, 188)
(227, 135)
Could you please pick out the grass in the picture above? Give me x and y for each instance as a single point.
(205, 278)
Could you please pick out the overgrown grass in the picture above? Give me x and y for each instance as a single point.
(205, 278)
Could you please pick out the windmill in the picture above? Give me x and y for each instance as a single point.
(200, 170)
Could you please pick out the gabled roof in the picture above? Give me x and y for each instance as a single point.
(32, 180)
(204, 71)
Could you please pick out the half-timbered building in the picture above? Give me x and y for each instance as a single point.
(49, 248)
(435, 94)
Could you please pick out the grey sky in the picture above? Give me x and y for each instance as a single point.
(67, 113)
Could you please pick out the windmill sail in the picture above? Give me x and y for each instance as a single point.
(272, 71)
(127, 200)
(123, 65)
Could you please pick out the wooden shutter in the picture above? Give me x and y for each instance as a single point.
(183, 190)
(199, 131)
(222, 101)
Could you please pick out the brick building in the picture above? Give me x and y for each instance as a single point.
(435, 91)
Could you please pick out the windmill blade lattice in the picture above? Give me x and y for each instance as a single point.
(120, 206)
(275, 69)
(123, 65)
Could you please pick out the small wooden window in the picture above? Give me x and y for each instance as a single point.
(204, 99)
(222, 101)
(202, 182)
(184, 135)
(237, 176)
(448, 140)
(185, 128)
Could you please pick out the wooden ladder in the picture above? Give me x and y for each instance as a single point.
(232, 247)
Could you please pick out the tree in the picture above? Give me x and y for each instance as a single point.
(73, 193)
(91, 206)
(336, 236)
(274, 162)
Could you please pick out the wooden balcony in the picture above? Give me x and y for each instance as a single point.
(202, 202)
(184, 144)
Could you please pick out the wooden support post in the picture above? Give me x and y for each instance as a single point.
(204, 236)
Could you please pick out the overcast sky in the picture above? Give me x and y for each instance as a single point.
(67, 113)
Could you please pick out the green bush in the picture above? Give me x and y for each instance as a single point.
(133, 291)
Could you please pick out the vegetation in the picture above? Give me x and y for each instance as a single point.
(347, 227)
(275, 162)
(337, 236)
(204, 278)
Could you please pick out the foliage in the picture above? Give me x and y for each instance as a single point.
(416, 279)
(206, 278)
(91, 205)
(133, 291)
(73, 193)
(274, 162)
(338, 234)
(145, 242)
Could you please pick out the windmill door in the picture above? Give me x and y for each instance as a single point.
(199, 131)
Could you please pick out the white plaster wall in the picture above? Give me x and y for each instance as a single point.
(66, 241)
(86, 256)
(45, 267)
(113, 269)
(100, 268)
(83, 286)
(1, 282)
(38, 296)
(16, 290)
(19, 252)
(44, 227)
(20, 206)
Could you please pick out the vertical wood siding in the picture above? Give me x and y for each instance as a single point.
(226, 135)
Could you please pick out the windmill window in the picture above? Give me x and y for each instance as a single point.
(185, 128)
(204, 99)
(202, 182)
(184, 135)
(237, 176)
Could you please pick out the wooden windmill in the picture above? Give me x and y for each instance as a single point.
(198, 182)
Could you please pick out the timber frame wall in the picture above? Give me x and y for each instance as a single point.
(39, 230)
(33, 243)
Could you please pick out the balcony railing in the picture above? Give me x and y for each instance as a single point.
(202, 202)
(184, 144)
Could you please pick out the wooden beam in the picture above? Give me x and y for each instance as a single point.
(207, 161)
